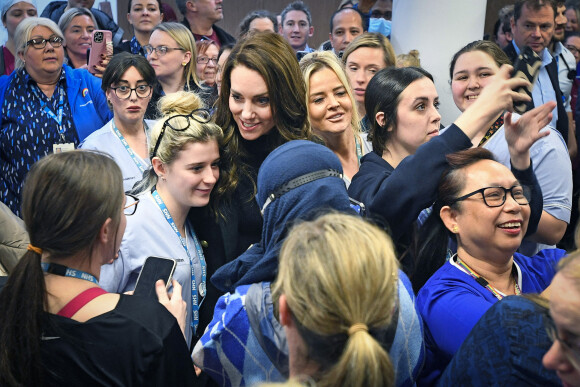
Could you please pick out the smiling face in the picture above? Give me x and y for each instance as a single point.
(418, 118)
(347, 25)
(166, 66)
(78, 35)
(207, 71)
(132, 109)
(144, 15)
(488, 232)
(46, 63)
(560, 23)
(296, 29)
(250, 103)
(190, 178)
(329, 106)
(572, 20)
(473, 71)
(16, 14)
(361, 66)
(564, 309)
(573, 44)
(534, 28)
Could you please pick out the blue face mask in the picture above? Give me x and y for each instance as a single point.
(380, 25)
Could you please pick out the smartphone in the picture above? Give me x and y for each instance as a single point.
(101, 43)
(154, 269)
(526, 66)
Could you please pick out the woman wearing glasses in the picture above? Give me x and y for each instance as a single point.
(58, 326)
(172, 54)
(185, 167)
(46, 106)
(207, 62)
(127, 82)
(485, 210)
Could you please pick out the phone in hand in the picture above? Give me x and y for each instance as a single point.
(154, 269)
(100, 42)
(526, 66)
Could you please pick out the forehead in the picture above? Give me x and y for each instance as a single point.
(81, 20)
(22, 5)
(485, 173)
(347, 19)
(367, 55)
(144, 3)
(247, 81)
(295, 16)
(262, 24)
(161, 38)
(131, 74)
(544, 14)
(575, 40)
(41, 31)
(211, 50)
(383, 5)
(565, 303)
(473, 60)
(420, 88)
(323, 79)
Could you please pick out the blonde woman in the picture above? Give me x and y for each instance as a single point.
(332, 110)
(172, 54)
(185, 167)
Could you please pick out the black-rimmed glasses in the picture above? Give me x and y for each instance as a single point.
(180, 122)
(131, 202)
(40, 43)
(205, 60)
(124, 92)
(160, 50)
(571, 350)
(496, 196)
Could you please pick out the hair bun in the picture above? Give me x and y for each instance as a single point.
(181, 102)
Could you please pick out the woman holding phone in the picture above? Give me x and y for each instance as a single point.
(185, 167)
(58, 326)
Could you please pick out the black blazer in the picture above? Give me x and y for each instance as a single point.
(552, 68)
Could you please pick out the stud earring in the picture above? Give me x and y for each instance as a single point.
(455, 229)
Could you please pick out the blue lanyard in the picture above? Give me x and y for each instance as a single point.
(55, 268)
(136, 159)
(49, 111)
(358, 149)
(195, 304)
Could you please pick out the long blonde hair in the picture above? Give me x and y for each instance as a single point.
(335, 272)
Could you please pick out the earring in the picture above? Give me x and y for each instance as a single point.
(184, 64)
(455, 229)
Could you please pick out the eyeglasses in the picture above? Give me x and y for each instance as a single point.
(160, 50)
(124, 92)
(180, 122)
(376, 14)
(131, 202)
(573, 49)
(571, 350)
(205, 59)
(40, 43)
(495, 196)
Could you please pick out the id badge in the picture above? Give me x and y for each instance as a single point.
(66, 147)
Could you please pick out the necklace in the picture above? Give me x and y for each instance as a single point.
(483, 282)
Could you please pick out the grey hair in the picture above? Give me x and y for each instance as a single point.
(23, 31)
(69, 15)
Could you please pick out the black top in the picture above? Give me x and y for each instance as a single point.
(138, 343)
(153, 114)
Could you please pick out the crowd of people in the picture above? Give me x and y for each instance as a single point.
(327, 227)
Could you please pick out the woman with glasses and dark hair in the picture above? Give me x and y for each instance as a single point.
(172, 54)
(127, 83)
(58, 326)
(485, 209)
(46, 106)
(184, 173)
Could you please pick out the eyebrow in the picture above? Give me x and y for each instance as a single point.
(323, 92)
(265, 94)
(477, 69)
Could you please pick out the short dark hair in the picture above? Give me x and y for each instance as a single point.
(296, 6)
(534, 5)
(120, 63)
(383, 95)
(260, 14)
(362, 18)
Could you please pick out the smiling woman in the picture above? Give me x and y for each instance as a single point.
(77, 24)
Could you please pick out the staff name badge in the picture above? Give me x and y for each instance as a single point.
(66, 147)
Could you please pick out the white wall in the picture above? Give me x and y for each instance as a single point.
(437, 29)
(42, 3)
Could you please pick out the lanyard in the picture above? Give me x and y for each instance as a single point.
(483, 282)
(136, 159)
(358, 149)
(50, 113)
(195, 304)
(55, 268)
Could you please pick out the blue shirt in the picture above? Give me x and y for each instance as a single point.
(28, 132)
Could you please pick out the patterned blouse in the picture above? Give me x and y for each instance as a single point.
(29, 129)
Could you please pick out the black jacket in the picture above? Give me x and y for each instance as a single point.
(55, 9)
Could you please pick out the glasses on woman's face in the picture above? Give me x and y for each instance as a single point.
(206, 60)
(124, 92)
(496, 196)
(571, 350)
(160, 50)
(573, 49)
(131, 202)
(180, 123)
(40, 43)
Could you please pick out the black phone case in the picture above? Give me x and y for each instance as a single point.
(527, 66)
